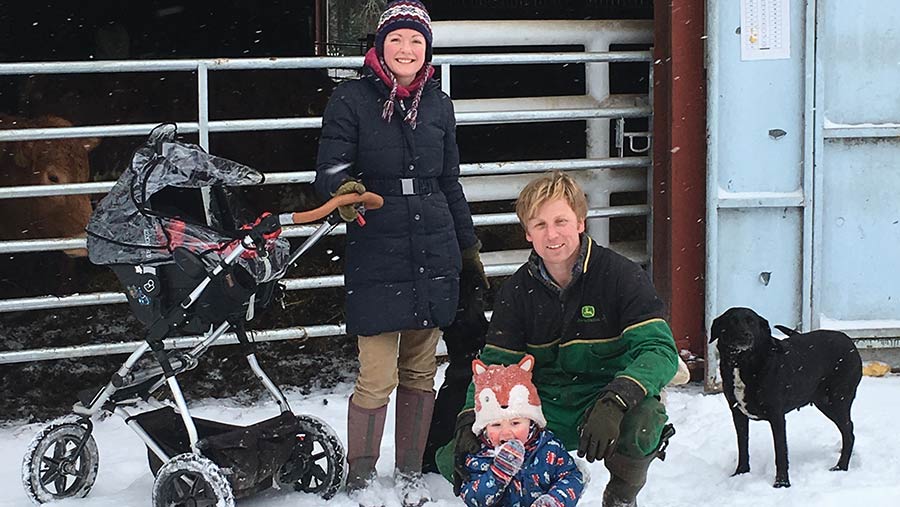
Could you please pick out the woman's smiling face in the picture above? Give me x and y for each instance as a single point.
(404, 53)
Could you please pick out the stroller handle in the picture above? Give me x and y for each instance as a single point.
(370, 200)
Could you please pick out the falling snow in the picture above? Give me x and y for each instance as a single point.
(697, 471)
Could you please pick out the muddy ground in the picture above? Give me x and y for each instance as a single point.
(44, 389)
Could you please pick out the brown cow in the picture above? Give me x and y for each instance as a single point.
(44, 162)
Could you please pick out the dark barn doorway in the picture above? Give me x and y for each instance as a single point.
(104, 29)
(530, 141)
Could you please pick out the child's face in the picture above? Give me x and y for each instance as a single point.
(508, 429)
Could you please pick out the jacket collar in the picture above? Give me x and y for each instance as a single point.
(539, 271)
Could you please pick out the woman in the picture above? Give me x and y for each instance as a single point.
(393, 132)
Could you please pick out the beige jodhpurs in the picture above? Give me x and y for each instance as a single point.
(395, 357)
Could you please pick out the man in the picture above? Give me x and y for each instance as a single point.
(594, 323)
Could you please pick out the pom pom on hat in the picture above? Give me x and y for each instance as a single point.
(505, 392)
(404, 14)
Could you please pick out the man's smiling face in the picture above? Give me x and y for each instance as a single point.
(554, 232)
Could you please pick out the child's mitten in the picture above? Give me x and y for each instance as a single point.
(508, 460)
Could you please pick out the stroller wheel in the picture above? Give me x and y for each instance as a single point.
(191, 480)
(317, 462)
(57, 466)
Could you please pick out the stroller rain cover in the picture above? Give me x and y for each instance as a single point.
(125, 230)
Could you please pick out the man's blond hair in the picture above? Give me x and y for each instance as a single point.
(550, 187)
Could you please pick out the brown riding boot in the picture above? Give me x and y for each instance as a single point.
(414, 409)
(364, 430)
(626, 478)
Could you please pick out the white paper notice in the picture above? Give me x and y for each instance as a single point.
(765, 29)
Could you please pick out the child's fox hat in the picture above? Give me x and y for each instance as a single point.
(505, 392)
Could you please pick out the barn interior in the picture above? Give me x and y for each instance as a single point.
(54, 30)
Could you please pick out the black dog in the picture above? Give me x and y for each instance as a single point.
(764, 378)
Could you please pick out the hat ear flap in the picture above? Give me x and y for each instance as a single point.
(527, 362)
(478, 367)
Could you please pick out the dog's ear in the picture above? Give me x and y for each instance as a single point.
(778, 345)
(715, 330)
(765, 333)
(764, 328)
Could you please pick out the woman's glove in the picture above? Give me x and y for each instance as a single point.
(547, 501)
(348, 212)
(508, 461)
(465, 335)
(465, 443)
(599, 428)
(472, 265)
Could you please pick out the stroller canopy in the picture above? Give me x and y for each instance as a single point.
(125, 229)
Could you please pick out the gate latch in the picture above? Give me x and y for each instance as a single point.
(641, 146)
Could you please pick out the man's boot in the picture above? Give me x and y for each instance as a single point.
(364, 430)
(450, 400)
(414, 409)
(626, 478)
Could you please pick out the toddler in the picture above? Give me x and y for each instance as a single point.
(520, 463)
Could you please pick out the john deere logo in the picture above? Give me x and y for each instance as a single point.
(587, 312)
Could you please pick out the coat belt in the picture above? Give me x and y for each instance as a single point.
(403, 186)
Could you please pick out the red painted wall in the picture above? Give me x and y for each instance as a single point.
(679, 167)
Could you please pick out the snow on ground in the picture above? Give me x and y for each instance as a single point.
(697, 472)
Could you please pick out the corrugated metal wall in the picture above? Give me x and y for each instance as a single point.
(804, 165)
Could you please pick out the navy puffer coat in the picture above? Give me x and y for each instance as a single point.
(402, 269)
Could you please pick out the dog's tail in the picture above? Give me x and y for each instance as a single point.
(786, 330)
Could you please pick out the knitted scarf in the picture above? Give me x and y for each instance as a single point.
(384, 73)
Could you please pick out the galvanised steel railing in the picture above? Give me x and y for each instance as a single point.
(488, 181)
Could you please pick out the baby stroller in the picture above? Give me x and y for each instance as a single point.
(183, 276)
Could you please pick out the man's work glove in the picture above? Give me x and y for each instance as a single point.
(348, 212)
(599, 430)
(465, 443)
(508, 460)
(547, 500)
(473, 267)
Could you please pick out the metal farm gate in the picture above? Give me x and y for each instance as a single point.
(804, 143)
(602, 172)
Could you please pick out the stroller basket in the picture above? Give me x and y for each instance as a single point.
(252, 454)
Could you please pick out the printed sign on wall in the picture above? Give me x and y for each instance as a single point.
(765, 29)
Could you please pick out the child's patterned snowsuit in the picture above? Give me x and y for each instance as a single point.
(548, 468)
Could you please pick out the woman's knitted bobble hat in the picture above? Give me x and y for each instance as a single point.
(404, 14)
(505, 392)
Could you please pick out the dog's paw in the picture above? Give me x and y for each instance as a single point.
(741, 470)
(781, 483)
(839, 468)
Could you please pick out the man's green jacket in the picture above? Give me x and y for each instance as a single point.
(606, 325)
